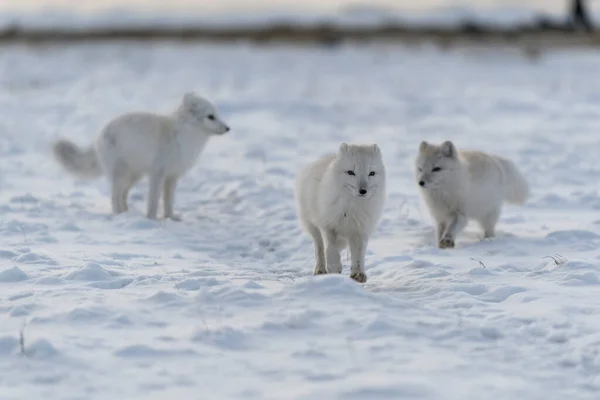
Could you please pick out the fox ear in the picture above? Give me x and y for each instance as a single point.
(189, 97)
(376, 149)
(423, 146)
(344, 148)
(448, 149)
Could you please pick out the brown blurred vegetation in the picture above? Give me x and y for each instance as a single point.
(575, 30)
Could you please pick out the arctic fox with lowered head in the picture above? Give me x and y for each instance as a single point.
(461, 185)
(133, 145)
(340, 198)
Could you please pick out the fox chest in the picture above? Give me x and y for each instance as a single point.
(442, 203)
(347, 221)
(182, 155)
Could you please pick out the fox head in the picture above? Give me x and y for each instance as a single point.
(203, 113)
(360, 169)
(436, 164)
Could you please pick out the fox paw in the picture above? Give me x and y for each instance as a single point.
(319, 271)
(446, 243)
(360, 277)
(174, 217)
(334, 269)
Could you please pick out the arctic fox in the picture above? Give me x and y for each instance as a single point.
(340, 198)
(137, 144)
(462, 185)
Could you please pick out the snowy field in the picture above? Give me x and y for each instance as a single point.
(223, 306)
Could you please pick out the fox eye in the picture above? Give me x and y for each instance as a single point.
(436, 169)
(420, 170)
(211, 117)
(350, 173)
(372, 173)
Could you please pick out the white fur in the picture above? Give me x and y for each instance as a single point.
(137, 144)
(469, 185)
(332, 210)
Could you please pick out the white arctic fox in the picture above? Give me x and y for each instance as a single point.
(462, 185)
(137, 144)
(340, 198)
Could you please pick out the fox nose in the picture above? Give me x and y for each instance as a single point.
(227, 129)
(422, 183)
(362, 192)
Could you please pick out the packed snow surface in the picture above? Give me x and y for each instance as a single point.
(223, 304)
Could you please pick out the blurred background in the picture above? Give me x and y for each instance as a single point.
(39, 19)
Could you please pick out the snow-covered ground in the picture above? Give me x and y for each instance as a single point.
(223, 306)
(82, 15)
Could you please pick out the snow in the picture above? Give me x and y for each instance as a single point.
(78, 15)
(222, 305)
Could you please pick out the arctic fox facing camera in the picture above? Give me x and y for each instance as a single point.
(340, 198)
(133, 145)
(461, 185)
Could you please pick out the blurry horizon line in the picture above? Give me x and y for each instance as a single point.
(250, 6)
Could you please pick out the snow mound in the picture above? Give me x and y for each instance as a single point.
(14, 274)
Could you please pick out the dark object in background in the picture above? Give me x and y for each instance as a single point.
(580, 16)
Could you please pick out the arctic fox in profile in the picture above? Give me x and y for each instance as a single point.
(137, 144)
(462, 185)
(340, 198)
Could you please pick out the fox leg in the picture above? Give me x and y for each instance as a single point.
(358, 247)
(122, 179)
(332, 252)
(439, 230)
(319, 245)
(456, 223)
(169, 198)
(117, 194)
(157, 180)
(488, 223)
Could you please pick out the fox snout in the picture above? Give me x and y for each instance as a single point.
(362, 189)
(223, 129)
(423, 180)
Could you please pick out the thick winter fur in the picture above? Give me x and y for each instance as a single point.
(461, 185)
(340, 198)
(133, 145)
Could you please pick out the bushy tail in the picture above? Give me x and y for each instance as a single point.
(516, 186)
(79, 162)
